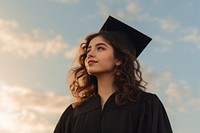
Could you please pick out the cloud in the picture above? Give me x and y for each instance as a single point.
(169, 25)
(26, 110)
(128, 10)
(133, 8)
(193, 36)
(166, 43)
(72, 53)
(25, 45)
(125, 11)
(67, 1)
(174, 94)
(194, 103)
(103, 9)
(180, 97)
(177, 95)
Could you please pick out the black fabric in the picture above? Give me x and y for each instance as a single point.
(147, 115)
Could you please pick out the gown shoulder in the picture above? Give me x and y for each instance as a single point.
(64, 120)
(153, 116)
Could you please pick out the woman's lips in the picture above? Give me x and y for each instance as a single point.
(90, 62)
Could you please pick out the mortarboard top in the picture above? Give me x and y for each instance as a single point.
(140, 40)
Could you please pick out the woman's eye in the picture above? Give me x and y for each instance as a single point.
(100, 48)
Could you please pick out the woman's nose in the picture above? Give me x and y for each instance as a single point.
(91, 53)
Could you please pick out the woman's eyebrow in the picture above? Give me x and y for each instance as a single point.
(98, 44)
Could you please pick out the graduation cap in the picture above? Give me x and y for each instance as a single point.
(140, 40)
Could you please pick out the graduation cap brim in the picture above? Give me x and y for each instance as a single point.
(140, 40)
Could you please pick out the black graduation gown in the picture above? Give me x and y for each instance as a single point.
(146, 115)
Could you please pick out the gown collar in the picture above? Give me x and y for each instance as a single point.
(95, 103)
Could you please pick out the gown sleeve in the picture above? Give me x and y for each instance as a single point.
(63, 125)
(153, 117)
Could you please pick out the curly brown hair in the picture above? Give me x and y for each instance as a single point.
(129, 81)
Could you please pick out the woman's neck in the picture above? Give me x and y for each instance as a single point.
(105, 87)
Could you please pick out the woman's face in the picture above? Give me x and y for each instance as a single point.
(100, 57)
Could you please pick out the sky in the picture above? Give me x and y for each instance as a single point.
(39, 42)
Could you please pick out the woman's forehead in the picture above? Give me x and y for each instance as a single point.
(97, 40)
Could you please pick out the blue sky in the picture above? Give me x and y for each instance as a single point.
(39, 41)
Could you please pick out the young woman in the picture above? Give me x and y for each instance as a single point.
(109, 88)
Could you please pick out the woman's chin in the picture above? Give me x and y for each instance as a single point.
(94, 72)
